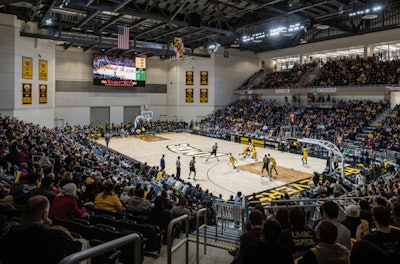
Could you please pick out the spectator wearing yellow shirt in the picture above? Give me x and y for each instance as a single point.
(160, 173)
(108, 200)
(90, 180)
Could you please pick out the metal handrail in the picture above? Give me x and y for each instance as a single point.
(171, 249)
(286, 203)
(312, 204)
(198, 227)
(106, 247)
(340, 198)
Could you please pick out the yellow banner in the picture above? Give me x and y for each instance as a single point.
(258, 142)
(203, 95)
(189, 95)
(203, 77)
(27, 67)
(189, 78)
(244, 140)
(26, 93)
(42, 93)
(43, 70)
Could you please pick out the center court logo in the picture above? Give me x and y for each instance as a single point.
(186, 149)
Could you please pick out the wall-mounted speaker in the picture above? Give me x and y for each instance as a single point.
(226, 54)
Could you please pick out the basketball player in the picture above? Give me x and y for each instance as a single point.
(192, 168)
(213, 151)
(265, 164)
(305, 156)
(273, 166)
(254, 153)
(232, 160)
(245, 150)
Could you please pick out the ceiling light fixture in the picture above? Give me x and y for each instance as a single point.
(287, 34)
(49, 21)
(369, 16)
(322, 27)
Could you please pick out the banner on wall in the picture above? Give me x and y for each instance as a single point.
(244, 140)
(26, 93)
(189, 77)
(189, 95)
(43, 70)
(27, 67)
(42, 93)
(258, 142)
(204, 95)
(203, 77)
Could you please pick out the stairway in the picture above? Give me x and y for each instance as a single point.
(368, 129)
(225, 238)
(310, 75)
(382, 116)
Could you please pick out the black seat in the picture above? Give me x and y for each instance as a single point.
(102, 219)
(89, 232)
(80, 220)
(106, 227)
(123, 224)
(128, 254)
(104, 212)
(139, 218)
(152, 233)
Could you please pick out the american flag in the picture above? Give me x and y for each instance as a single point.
(123, 38)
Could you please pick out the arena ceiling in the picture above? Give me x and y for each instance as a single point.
(253, 25)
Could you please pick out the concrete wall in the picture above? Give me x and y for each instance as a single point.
(7, 57)
(75, 67)
(231, 72)
(12, 49)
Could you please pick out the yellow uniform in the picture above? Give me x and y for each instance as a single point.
(305, 156)
(273, 165)
(232, 160)
(245, 149)
(254, 152)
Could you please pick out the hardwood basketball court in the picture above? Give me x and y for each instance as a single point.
(216, 176)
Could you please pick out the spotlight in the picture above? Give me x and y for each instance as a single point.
(48, 21)
(214, 46)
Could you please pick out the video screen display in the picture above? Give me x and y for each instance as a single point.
(121, 71)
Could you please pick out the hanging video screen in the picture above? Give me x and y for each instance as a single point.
(121, 71)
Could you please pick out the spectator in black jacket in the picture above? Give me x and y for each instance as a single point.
(256, 220)
(270, 250)
(34, 235)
